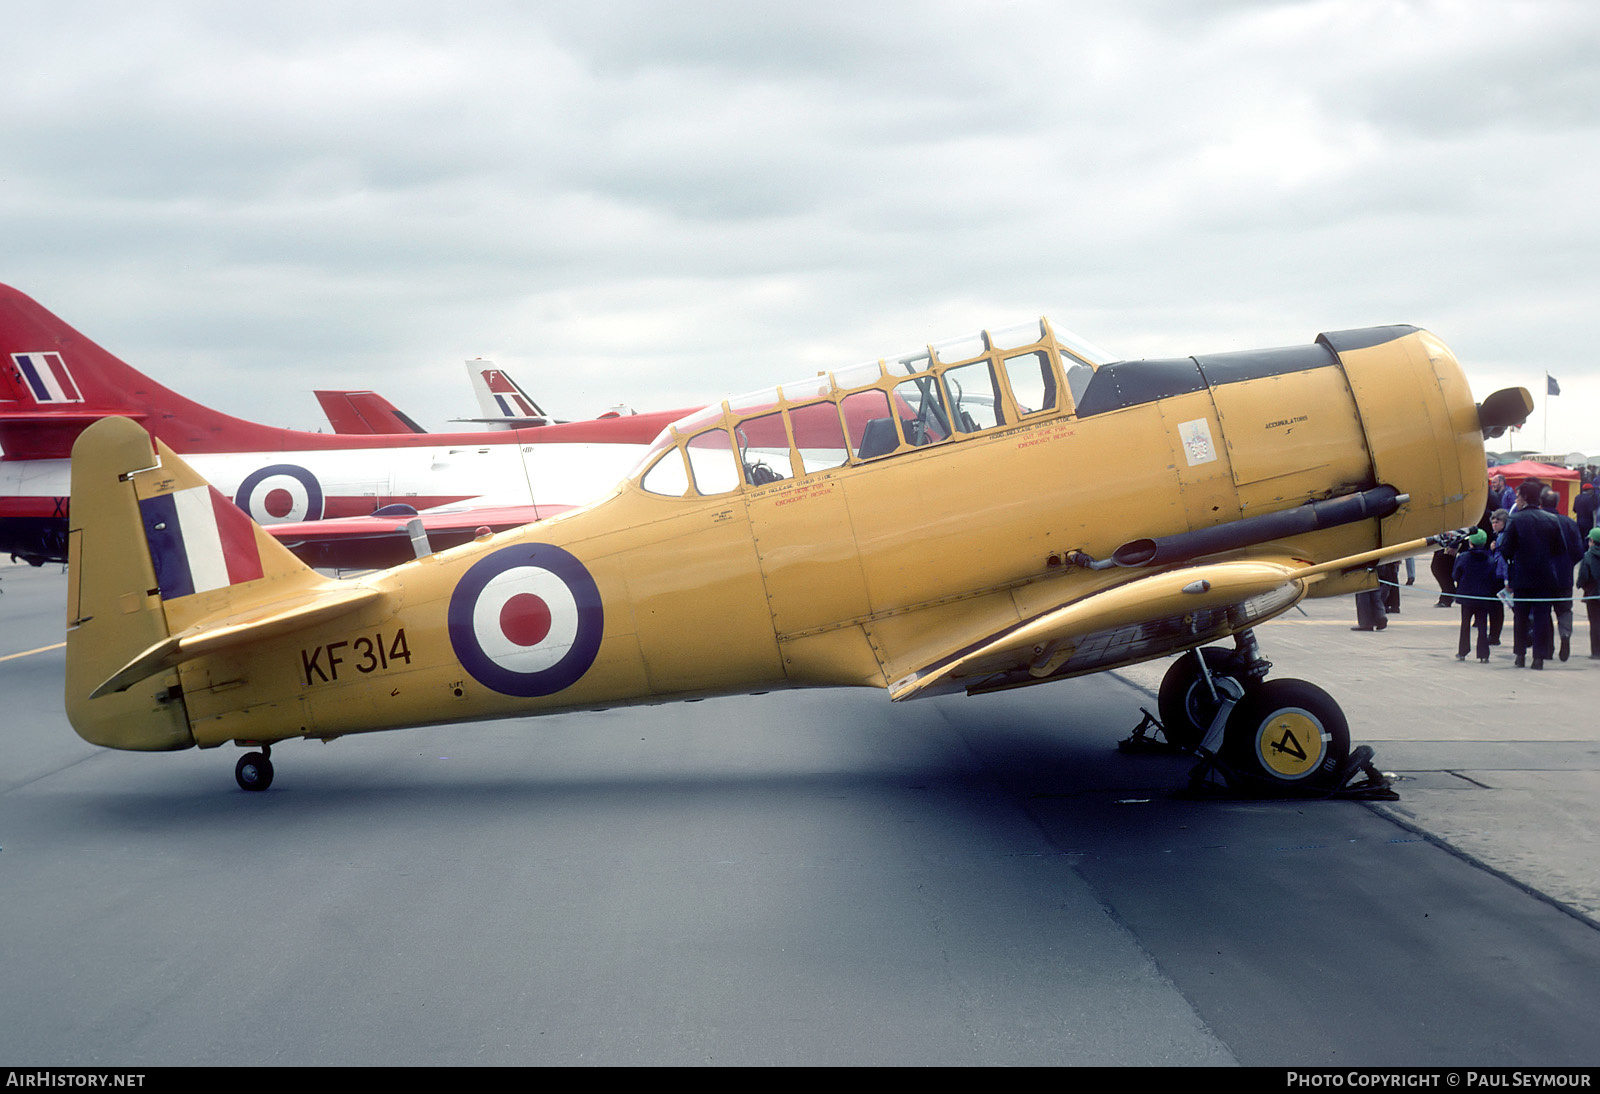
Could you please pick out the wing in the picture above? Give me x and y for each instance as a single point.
(1138, 620)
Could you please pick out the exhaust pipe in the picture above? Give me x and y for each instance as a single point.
(1331, 513)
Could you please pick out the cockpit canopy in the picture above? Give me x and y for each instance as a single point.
(937, 394)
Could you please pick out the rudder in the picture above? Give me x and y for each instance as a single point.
(113, 599)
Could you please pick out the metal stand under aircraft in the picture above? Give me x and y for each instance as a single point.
(1254, 736)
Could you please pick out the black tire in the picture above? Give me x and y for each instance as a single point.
(1185, 702)
(253, 771)
(1289, 734)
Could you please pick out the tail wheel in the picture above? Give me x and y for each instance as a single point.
(1185, 702)
(1288, 733)
(253, 771)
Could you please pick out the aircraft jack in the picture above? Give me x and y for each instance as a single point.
(1214, 777)
(1143, 740)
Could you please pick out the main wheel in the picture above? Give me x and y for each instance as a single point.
(1186, 704)
(253, 771)
(1288, 733)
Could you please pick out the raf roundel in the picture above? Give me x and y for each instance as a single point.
(279, 493)
(526, 620)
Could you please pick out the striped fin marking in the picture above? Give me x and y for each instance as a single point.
(199, 541)
(47, 377)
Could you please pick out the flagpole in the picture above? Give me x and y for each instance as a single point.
(1545, 446)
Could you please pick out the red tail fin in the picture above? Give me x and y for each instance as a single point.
(364, 412)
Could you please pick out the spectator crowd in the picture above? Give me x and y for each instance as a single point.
(1526, 556)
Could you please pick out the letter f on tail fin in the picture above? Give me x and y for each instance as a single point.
(503, 402)
(164, 569)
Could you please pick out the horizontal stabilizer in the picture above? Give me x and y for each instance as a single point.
(511, 422)
(232, 632)
(31, 434)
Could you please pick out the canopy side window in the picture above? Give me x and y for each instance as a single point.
(923, 418)
(819, 437)
(869, 423)
(712, 462)
(975, 402)
(667, 476)
(764, 451)
(1033, 382)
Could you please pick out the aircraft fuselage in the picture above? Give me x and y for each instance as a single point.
(701, 576)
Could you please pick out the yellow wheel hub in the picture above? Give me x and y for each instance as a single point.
(1292, 743)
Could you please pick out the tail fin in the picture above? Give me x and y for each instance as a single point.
(503, 402)
(164, 569)
(364, 412)
(54, 382)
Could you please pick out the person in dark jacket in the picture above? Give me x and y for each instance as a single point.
(1497, 611)
(1583, 510)
(1371, 612)
(1589, 582)
(1550, 502)
(1535, 548)
(1477, 586)
(1500, 495)
(1441, 566)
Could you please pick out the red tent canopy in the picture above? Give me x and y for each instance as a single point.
(1563, 480)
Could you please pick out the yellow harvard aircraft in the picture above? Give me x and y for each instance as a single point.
(992, 513)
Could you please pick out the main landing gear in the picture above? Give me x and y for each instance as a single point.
(254, 769)
(1263, 737)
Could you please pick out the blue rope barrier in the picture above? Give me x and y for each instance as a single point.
(1523, 599)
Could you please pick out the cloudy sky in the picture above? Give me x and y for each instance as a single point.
(660, 203)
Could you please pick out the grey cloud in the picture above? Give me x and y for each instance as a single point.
(677, 200)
